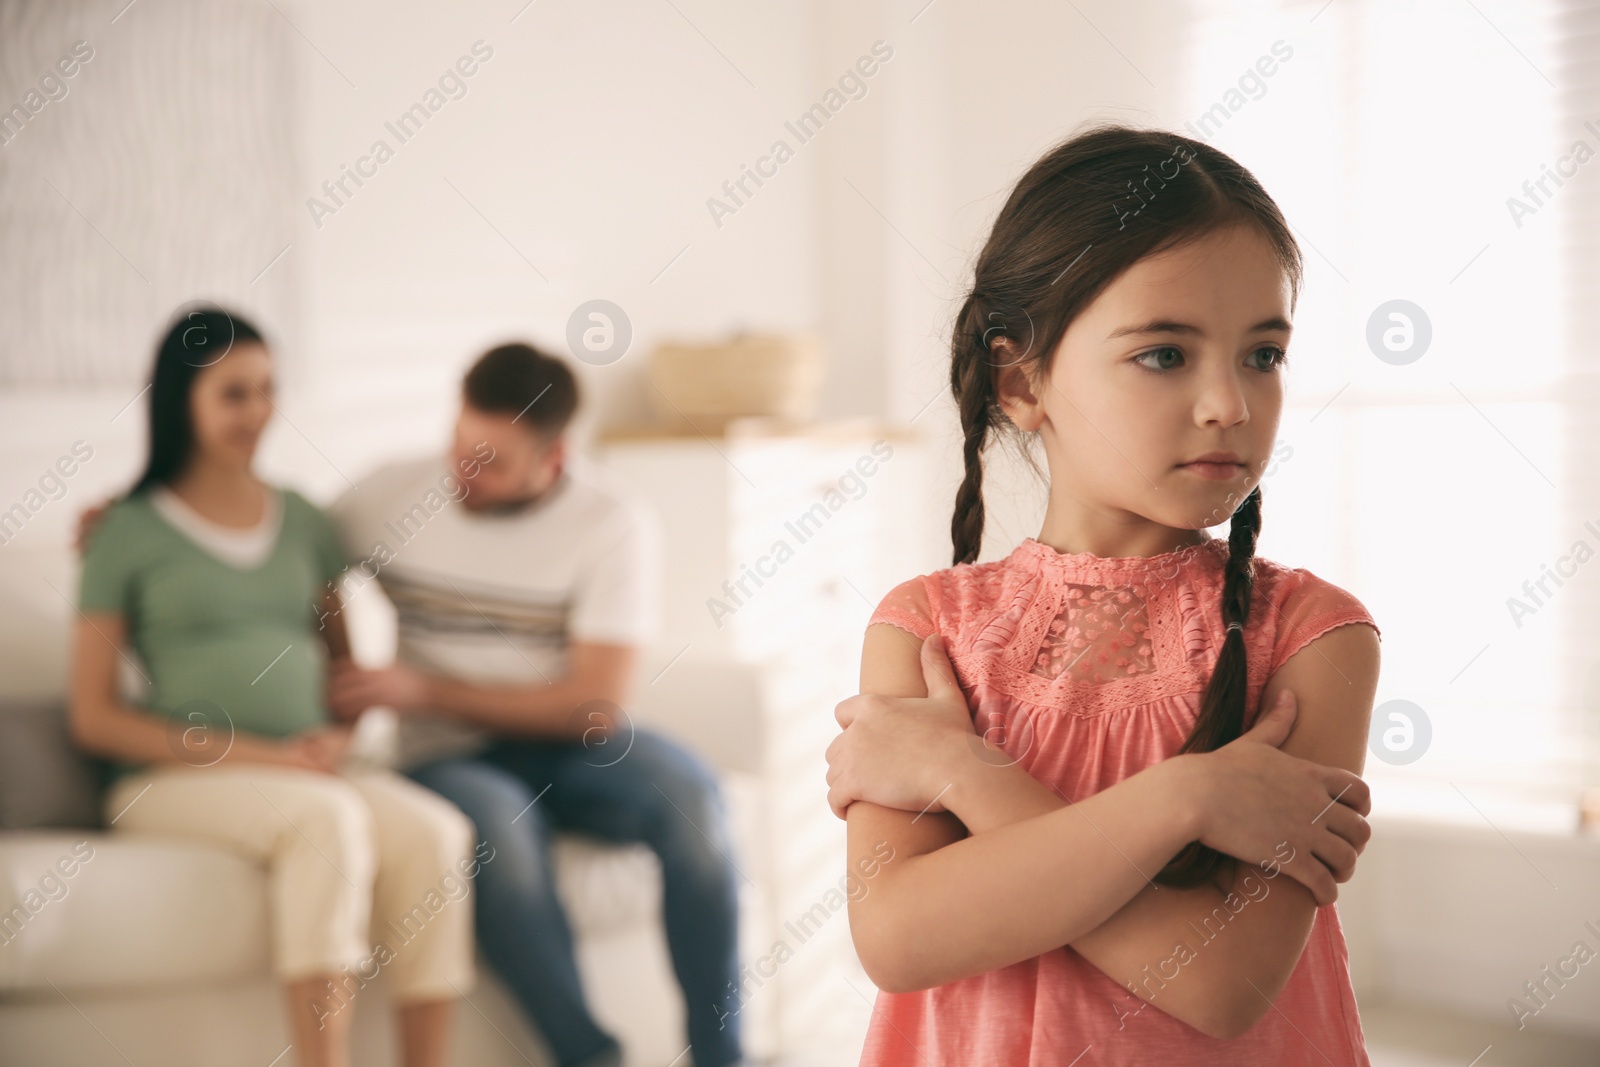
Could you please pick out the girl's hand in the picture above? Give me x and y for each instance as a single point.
(894, 750)
(1264, 806)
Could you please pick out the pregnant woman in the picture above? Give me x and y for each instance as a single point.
(211, 584)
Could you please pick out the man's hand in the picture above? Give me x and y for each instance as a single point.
(88, 519)
(353, 689)
(895, 751)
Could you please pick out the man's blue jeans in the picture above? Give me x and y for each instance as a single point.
(518, 793)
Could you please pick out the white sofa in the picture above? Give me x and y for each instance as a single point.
(155, 951)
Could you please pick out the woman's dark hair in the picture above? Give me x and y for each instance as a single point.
(197, 339)
(1092, 207)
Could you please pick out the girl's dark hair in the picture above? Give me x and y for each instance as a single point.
(197, 339)
(1088, 210)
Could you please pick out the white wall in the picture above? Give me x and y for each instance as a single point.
(590, 142)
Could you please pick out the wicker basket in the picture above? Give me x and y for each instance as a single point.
(773, 375)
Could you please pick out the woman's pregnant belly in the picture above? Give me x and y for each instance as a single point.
(265, 679)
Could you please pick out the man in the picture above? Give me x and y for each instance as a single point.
(525, 587)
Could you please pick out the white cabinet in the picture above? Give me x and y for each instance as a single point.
(778, 543)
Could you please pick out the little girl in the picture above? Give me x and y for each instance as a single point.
(1118, 767)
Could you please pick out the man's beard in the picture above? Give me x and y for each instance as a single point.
(522, 503)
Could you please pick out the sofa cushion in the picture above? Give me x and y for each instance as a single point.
(36, 584)
(44, 780)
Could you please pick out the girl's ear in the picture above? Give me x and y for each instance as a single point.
(1013, 389)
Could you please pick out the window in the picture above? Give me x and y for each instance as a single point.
(1428, 152)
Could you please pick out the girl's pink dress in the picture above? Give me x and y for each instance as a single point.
(1088, 669)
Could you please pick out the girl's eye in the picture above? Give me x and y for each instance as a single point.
(1272, 356)
(1157, 352)
(1275, 356)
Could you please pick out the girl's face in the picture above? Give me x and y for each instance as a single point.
(1177, 358)
(230, 403)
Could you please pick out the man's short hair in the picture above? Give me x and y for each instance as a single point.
(521, 381)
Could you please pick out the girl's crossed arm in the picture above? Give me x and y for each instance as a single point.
(1100, 869)
(1255, 923)
(946, 907)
